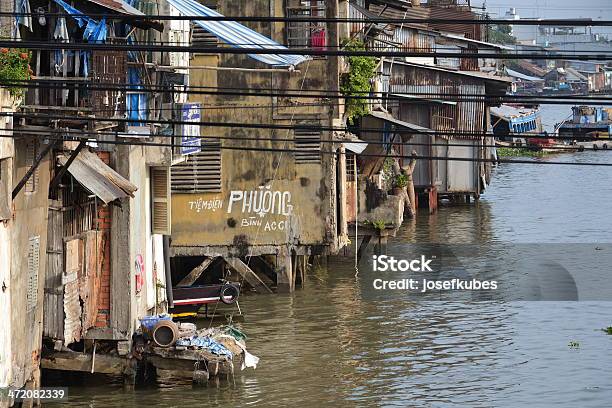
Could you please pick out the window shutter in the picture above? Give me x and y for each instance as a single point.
(160, 188)
(307, 143)
(33, 267)
(200, 173)
(31, 154)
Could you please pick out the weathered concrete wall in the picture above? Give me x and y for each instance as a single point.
(30, 221)
(6, 227)
(134, 249)
(266, 198)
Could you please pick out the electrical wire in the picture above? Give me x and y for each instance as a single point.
(52, 45)
(334, 153)
(303, 126)
(321, 19)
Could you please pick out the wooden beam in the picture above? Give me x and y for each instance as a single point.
(73, 361)
(196, 272)
(248, 274)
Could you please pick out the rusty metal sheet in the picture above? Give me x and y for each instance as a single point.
(91, 172)
(90, 276)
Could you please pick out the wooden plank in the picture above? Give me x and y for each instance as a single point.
(196, 272)
(53, 322)
(248, 274)
(73, 361)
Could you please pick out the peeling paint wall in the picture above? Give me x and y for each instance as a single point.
(6, 228)
(266, 198)
(27, 272)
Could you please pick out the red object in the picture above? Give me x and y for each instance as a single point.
(140, 272)
(318, 39)
(540, 142)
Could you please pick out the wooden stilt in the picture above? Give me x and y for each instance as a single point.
(284, 272)
(196, 273)
(248, 274)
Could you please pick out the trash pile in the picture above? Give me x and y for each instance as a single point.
(227, 340)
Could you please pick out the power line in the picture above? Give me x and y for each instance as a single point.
(321, 19)
(62, 84)
(396, 156)
(46, 45)
(206, 138)
(313, 127)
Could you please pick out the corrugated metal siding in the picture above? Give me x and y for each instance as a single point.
(462, 176)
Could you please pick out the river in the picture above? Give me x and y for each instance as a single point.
(337, 342)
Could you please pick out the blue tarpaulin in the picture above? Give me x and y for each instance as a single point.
(95, 31)
(237, 35)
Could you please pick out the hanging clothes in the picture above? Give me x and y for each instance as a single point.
(22, 6)
(95, 31)
(60, 34)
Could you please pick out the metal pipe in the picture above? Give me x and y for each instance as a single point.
(168, 272)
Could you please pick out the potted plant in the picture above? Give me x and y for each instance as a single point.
(399, 184)
(14, 68)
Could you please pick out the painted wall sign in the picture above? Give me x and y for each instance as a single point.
(190, 134)
(199, 205)
(262, 201)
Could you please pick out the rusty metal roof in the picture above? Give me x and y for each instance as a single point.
(93, 174)
(389, 118)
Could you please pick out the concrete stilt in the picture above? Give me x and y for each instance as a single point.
(285, 278)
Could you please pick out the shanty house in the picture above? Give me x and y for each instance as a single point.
(90, 201)
(266, 189)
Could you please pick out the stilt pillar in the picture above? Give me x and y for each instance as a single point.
(285, 277)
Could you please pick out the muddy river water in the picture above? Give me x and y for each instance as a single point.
(338, 342)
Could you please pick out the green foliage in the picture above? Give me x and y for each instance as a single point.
(357, 82)
(608, 330)
(519, 152)
(500, 34)
(14, 66)
(379, 224)
(573, 344)
(401, 180)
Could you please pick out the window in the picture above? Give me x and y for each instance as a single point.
(33, 267)
(307, 143)
(5, 191)
(31, 154)
(201, 173)
(307, 33)
(160, 200)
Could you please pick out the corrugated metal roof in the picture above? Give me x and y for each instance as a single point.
(236, 35)
(389, 118)
(517, 74)
(93, 174)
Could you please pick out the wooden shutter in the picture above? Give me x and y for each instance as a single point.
(31, 154)
(307, 144)
(5, 190)
(33, 268)
(201, 37)
(160, 188)
(200, 173)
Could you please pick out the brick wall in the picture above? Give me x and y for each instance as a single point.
(104, 224)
